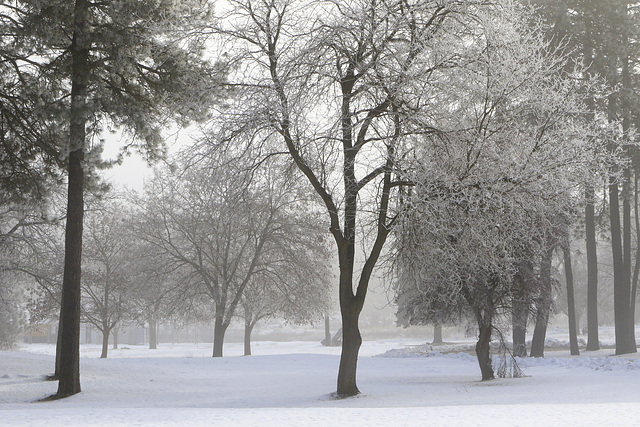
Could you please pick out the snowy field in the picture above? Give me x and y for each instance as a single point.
(290, 384)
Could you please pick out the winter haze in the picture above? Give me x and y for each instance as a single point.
(304, 212)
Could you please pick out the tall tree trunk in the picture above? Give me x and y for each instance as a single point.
(105, 342)
(219, 329)
(571, 308)
(630, 345)
(483, 349)
(153, 334)
(327, 331)
(248, 327)
(620, 233)
(543, 305)
(626, 235)
(69, 378)
(621, 292)
(593, 340)
(437, 334)
(69, 373)
(636, 267)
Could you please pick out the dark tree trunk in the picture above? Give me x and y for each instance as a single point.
(219, 329)
(539, 332)
(626, 234)
(483, 349)
(437, 334)
(153, 334)
(571, 309)
(519, 315)
(327, 331)
(105, 342)
(636, 267)
(351, 342)
(248, 328)
(69, 378)
(627, 87)
(621, 291)
(593, 340)
(619, 243)
(543, 305)
(69, 368)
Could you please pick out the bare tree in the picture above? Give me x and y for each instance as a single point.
(221, 226)
(294, 283)
(106, 265)
(335, 83)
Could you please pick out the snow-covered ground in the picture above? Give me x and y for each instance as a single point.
(290, 384)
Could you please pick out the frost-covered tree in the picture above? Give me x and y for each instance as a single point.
(495, 182)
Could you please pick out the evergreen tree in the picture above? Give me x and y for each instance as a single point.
(130, 65)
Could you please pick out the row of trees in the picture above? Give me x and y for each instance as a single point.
(469, 133)
(201, 243)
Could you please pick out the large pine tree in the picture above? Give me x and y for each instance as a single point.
(129, 65)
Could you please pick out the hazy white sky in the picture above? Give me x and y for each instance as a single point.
(134, 169)
(130, 174)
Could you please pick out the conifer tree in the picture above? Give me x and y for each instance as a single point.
(128, 65)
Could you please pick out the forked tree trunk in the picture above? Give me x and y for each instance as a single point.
(593, 340)
(571, 308)
(437, 334)
(483, 348)
(153, 334)
(219, 329)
